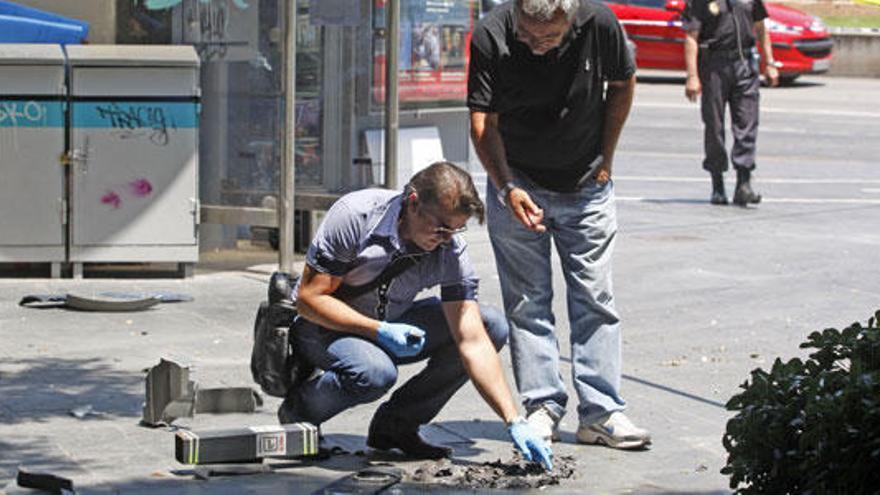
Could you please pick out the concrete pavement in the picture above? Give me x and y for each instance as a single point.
(706, 294)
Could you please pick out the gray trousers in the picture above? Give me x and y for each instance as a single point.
(733, 83)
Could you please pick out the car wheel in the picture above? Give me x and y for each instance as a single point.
(788, 79)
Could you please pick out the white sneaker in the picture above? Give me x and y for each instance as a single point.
(614, 430)
(545, 423)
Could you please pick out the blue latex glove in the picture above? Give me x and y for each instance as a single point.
(532, 446)
(401, 339)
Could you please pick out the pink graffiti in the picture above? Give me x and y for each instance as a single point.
(112, 199)
(140, 188)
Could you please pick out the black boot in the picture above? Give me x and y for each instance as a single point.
(744, 195)
(387, 435)
(718, 196)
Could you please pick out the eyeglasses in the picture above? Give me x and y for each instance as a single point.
(440, 228)
(444, 231)
(547, 36)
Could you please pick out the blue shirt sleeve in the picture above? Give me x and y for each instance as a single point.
(335, 247)
(459, 281)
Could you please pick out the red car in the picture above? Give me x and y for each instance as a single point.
(800, 41)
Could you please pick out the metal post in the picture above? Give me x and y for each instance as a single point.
(286, 188)
(392, 44)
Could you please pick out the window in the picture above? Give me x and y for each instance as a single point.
(653, 4)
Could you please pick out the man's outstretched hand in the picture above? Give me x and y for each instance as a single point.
(532, 446)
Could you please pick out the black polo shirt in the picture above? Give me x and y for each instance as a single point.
(551, 107)
(716, 25)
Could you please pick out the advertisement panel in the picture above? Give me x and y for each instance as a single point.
(433, 58)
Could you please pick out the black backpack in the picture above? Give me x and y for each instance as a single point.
(274, 363)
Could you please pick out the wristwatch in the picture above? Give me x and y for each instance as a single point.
(504, 192)
(774, 63)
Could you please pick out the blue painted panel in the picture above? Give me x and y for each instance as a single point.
(19, 113)
(135, 115)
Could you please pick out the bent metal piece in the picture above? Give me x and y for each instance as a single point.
(227, 400)
(103, 301)
(170, 394)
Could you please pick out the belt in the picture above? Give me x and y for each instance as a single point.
(728, 55)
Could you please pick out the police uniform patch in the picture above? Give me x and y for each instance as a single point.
(713, 8)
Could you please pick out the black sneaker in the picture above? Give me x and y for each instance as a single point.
(406, 440)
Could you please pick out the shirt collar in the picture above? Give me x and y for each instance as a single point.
(386, 228)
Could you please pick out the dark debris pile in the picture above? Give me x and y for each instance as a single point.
(514, 474)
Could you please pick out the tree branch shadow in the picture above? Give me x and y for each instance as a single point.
(38, 389)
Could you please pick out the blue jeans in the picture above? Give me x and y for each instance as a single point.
(359, 371)
(583, 227)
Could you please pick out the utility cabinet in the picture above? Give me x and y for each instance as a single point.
(32, 133)
(134, 121)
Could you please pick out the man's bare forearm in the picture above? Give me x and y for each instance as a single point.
(691, 50)
(619, 98)
(316, 303)
(490, 147)
(764, 40)
(333, 314)
(483, 365)
(480, 358)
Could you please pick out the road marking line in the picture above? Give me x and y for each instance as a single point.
(803, 111)
(761, 180)
(846, 201)
(785, 159)
(871, 190)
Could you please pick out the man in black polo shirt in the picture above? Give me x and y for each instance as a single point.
(723, 33)
(545, 128)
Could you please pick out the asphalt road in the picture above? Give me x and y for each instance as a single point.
(706, 294)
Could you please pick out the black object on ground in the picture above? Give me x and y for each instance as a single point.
(208, 472)
(44, 481)
(373, 479)
(514, 474)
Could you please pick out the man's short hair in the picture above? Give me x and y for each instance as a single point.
(445, 185)
(545, 10)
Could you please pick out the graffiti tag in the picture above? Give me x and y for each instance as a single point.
(213, 22)
(14, 112)
(136, 120)
(137, 189)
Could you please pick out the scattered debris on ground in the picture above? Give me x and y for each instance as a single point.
(514, 474)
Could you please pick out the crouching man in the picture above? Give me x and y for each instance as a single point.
(394, 245)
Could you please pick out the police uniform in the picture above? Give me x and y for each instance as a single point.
(729, 75)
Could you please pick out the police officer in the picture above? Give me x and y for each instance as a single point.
(724, 34)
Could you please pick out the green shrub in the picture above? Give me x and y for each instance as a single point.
(811, 426)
